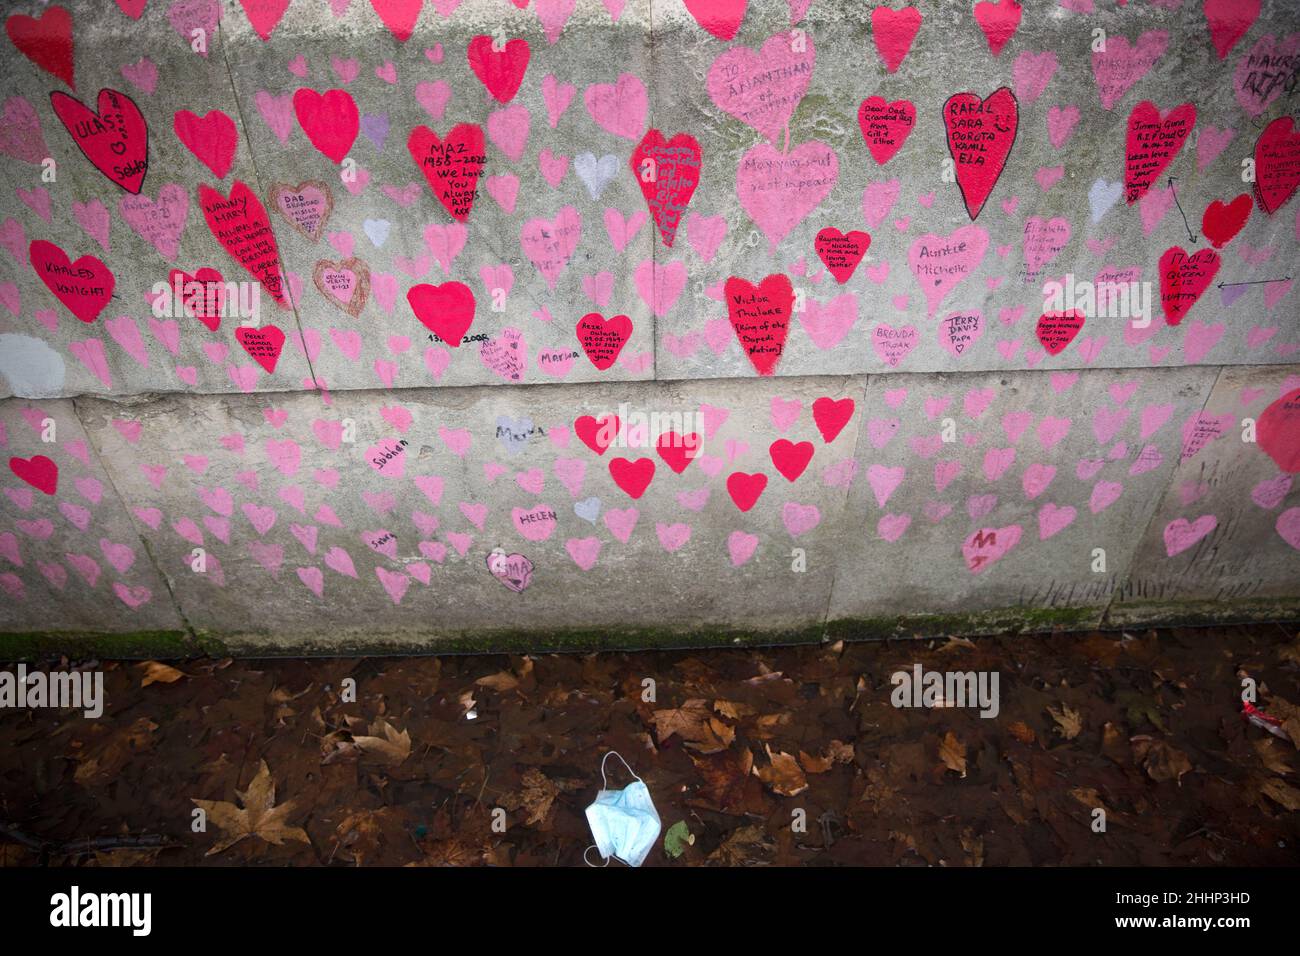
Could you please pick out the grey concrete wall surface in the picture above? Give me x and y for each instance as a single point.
(822, 239)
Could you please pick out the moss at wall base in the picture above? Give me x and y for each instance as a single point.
(172, 645)
(82, 644)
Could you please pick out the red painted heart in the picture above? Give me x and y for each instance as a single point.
(789, 458)
(1222, 221)
(501, 71)
(632, 476)
(678, 450)
(263, 344)
(602, 339)
(211, 138)
(745, 489)
(1277, 164)
(38, 471)
(446, 310)
(722, 18)
(46, 41)
(597, 433)
(841, 252)
(399, 16)
(330, 120)
(668, 171)
(84, 286)
(980, 136)
(760, 315)
(830, 416)
(241, 225)
(115, 139)
(452, 167)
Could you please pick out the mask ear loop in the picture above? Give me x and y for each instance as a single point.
(604, 785)
(614, 753)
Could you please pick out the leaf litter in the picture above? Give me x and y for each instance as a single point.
(489, 760)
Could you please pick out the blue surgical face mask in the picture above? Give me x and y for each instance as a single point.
(623, 822)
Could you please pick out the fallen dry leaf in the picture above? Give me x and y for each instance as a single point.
(258, 817)
(1273, 755)
(385, 744)
(1161, 761)
(953, 753)
(1068, 722)
(1281, 794)
(159, 673)
(782, 775)
(695, 724)
(1022, 732)
(537, 798)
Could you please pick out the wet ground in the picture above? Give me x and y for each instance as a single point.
(1115, 749)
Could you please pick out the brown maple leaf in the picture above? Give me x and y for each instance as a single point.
(258, 817)
(742, 846)
(385, 744)
(1068, 722)
(695, 724)
(537, 798)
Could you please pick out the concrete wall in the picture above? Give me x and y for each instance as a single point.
(973, 466)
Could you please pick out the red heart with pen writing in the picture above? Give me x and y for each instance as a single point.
(84, 286)
(203, 294)
(602, 339)
(263, 344)
(1278, 431)
(240, 223)
(841, 252)
(760, 316)
(1277, 164)
(115, 139)
(668, 172)
(1183, 278)
(1152, 142)
(885, 126)
(451, 167)
(981, 133)
(1056, 330)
